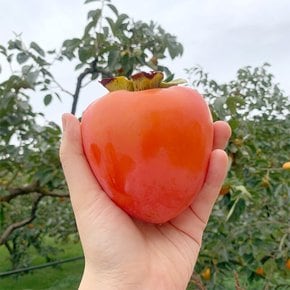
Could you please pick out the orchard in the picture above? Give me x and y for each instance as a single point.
(246, 242)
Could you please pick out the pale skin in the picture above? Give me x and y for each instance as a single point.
(122, 252)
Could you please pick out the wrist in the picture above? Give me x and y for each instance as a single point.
(105, 281)
(110, 281)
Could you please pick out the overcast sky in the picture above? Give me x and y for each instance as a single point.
(219, 35)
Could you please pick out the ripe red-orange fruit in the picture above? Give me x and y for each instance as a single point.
(149, 149)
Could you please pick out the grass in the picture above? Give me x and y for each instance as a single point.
(67, 276)
(62, 277)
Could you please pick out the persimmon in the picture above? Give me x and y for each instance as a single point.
(225, 189)
(260, 271)
(286, 165)
(148, 145)
(287, 264)
(206, 274)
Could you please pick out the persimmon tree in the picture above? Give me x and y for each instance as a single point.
(33, 194)
(248, 234)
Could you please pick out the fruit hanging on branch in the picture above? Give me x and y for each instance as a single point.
(148, 143)
(286, 165)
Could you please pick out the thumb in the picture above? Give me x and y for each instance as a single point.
(82, 184)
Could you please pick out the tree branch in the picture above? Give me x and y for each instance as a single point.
(237, 282)
(78, 89)
(8, 247)
(16, 225)
(195, 279)
(92, 69)
(14, 192)
(61, 87)
(31, 188)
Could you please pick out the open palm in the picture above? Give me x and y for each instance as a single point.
(125, 253)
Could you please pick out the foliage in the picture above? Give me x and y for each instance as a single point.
(30, 176)
(33, 194)
(249, 227)
(117, 45)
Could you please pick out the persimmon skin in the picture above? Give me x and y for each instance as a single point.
(150, 149)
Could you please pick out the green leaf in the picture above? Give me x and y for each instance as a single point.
(114, 9)
(270, 267)
(71, 43)
(219, 105)
(37, 48)
(234, 102)
(95, 15)
(94, 76)
(236, 210)
(91, 14)
(23, 105)
(166, 71)
(15, 44)
(79, 66)
(45, 176)
(58, 96)
(22, 57)
(234, 123)
(53, 51)
(69, 46)
(174, 48)
(88, 28)
(26, 69)
(9, 58)
(113, 58)
(3, 50)
(120, 21)
(41, 61)
(31, 77)
(47, 99)
(112, 24)
(169, 78)
(86, 52)
(88, 1)
(105, 31)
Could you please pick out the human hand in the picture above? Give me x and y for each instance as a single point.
(122, 252)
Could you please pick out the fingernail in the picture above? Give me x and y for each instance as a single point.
(64, 121)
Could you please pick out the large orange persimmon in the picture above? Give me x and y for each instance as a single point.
(149, 149)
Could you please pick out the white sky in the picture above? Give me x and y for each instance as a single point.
(219, 35)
